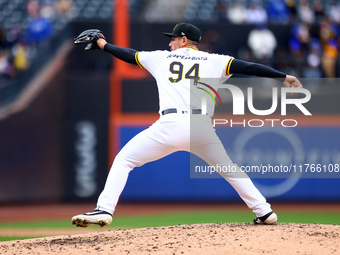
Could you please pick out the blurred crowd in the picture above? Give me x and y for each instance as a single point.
(314, 38)
(312, 49)
(278, 11)
(20, 43)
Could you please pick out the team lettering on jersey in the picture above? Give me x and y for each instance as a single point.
(177, 56)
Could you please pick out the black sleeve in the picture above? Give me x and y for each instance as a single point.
(249, 68)
(125, 54)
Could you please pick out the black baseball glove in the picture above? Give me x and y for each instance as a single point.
(90, 37)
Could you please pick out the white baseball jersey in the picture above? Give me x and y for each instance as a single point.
(177, 73)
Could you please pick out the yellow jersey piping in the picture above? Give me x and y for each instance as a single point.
(227, 69)
(137, 60)
(191, 48)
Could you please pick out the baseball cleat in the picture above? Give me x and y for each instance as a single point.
(96, 217)
(268, 219)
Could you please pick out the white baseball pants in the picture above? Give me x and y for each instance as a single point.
(171, 133)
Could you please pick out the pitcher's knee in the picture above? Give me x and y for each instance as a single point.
(122, 162)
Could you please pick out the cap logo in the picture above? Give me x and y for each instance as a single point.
(185, 29)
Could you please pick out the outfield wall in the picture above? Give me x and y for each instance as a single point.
(168, 179)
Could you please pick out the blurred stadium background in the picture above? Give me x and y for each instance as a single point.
(64, 112)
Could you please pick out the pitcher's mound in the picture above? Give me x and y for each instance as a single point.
(206, 239)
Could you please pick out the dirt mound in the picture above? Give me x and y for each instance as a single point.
(217, 238)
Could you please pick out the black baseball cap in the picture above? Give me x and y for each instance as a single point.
(186, 29)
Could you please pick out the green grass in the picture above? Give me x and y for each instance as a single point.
(11, 238)
(176, 219)
(143, 221)
(321, 218)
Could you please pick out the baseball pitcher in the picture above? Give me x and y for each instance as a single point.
(176, 71)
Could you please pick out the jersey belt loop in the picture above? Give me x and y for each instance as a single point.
(170, 110)
(174, 110)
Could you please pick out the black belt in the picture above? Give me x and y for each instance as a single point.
(174, 110)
